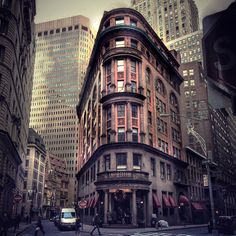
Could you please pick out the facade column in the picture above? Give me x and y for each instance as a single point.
(105, 206)
(127, 76)
(113, 72)
(134, 207)
(140, 88)
(149, 207)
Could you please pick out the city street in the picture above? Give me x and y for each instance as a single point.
(50, 230)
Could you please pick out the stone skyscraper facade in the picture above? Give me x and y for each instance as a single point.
(62, 52)
(16, 75)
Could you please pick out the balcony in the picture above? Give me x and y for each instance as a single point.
(122, 51)
(123, 176)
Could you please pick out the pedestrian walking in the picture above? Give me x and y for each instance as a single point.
(77, 226)
(17, 221)
(96, 222)
(39, 228)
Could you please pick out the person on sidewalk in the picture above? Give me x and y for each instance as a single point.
(77, 226)
(17, 221)
(39, 228)
(96, 222)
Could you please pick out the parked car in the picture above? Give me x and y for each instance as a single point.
(224, 224)
(67, 218)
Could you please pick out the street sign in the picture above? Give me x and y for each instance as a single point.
(82, 203)
(18, 198)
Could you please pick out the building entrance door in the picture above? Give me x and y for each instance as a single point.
(121, 202)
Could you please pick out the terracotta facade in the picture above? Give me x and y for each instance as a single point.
(130, 158)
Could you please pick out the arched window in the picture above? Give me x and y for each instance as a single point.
(160, 87)
(148, 75)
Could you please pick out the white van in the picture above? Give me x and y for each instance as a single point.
(67, 218)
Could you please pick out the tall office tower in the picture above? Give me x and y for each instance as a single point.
(62, 52)
(34, 174)
(16, 76)
(189, 47)
(170, 19)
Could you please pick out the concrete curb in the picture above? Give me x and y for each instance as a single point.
(148, 231)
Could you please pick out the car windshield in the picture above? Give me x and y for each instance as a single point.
(68, 215)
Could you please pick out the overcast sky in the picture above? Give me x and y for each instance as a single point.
(56, 9)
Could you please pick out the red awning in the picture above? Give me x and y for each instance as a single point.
(156, 200)
(198, 206)
(95, 201)
(202, 205)
(91, 202)
(172, 201)
(166, 201)
(183, 200)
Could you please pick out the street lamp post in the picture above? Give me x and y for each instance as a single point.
(207, 162)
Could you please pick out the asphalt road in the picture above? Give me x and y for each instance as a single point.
(52, 230)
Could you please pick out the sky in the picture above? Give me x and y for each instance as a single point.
(55, 9)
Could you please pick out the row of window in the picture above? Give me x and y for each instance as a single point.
(122, 165)
(64, 29)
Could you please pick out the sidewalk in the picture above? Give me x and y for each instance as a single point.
(120, 231)
(126, 231)
(23, 226)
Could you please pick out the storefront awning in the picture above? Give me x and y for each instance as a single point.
(166, 201)
(91, 202)
(172, 201)
(198, 206)
(183, 200)
(95, 201)
(156, 201)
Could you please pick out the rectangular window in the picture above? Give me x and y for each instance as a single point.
(149, 96)
(135, 135)
(168, 172)
(153, 166)
(121, 110)
(120, 65)
(162, 170)
(134, 111)
(133, 87)
(133, 22)
(121, 161)
(149, 118)
(120, 43)
(133, 67)
(191, 72)
(120, 86)
(186, 83)
(120, 21)
(28, 151)
(3, 26)
(137, 161)
(107, 161)
(134, 43)
(121, 134)
(185, 73)
(109, 113)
